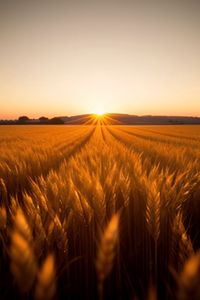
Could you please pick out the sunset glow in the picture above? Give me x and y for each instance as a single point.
(99, 112)
(68, 58)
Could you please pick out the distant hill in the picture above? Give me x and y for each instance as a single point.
(111, 118)
(148, 119)
(78, 119)
(127, 119)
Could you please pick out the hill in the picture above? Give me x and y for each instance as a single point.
(126, 119)
(110, 118)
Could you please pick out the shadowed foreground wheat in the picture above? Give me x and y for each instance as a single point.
(99, 212)
(106, 252)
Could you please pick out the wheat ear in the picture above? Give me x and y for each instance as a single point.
(106, 252)
(23, 264)
(46, 286)
(189, 281)
(3, 192)
(153, 211)
(3, 217)
(152, 293)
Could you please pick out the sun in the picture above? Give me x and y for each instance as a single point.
(99, 112)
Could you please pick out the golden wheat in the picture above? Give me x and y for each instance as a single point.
(23, 262)
(61, 186)
(107, 251)
(189, 282)
(46, 286)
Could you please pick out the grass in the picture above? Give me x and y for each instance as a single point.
(99, 212)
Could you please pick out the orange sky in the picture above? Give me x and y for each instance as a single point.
(74, 57)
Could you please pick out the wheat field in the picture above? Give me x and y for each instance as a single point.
(100, 212)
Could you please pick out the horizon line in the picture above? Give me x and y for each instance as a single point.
(107, 113)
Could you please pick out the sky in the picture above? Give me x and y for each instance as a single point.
(74, 57)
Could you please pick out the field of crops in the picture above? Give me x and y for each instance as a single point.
(100, 212)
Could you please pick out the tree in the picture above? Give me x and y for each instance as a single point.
(23, 119)
(43, 120)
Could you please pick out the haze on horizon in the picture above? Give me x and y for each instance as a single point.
(75, 57)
